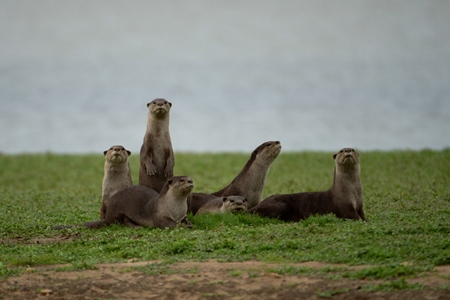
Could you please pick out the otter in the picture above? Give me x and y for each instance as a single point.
(156, 156)
(221, 205)
(344, 198)
(248, 183)
(252, 178)
(116, 175)
(139, 205)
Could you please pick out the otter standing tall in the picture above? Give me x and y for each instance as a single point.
(117, 174)
(156, 157)
(344, 198)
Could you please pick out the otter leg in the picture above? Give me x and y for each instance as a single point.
(349, 212)
(102, 211)
(168, 171)
(186, 223)
(166, 222)
(149, 166)
(361, 214)
(128, 222)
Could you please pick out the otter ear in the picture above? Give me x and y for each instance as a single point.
(170, 104)
(170, 181)
(129, 152)
(334, 155)
(104, 152)
(245, 199)
(148, 104)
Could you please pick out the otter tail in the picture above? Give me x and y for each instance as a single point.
(95, 224)
(59, 227)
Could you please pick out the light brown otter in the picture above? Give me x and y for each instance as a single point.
(248, 183)
(221, 205)
(156, 156)
(116, 176)
(344, 198)
(139, 205)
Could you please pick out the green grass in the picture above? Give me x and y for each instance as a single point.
(406, 199)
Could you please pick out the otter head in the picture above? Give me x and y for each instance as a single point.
(267, 151)
(235, 204)
(347, 159)
(178, 186)
(159, 107)
(117, 154)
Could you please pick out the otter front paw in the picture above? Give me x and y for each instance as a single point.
(151, 170)
(168, 172)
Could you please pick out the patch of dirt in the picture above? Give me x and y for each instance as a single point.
(205, 280)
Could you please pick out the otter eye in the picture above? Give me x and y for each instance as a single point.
(231, 200)
(170, 181)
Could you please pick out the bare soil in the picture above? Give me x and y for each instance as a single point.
(205, 280)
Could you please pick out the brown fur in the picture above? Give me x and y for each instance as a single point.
(344, 198)
(156, 156)
(116, 175)
(221, 205)
(197, 200)
(139, 205)
(248, 183)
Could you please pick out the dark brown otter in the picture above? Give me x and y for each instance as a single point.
(116, 175)
(344, 198)
(156, 156)
(139, 205)
(248, 183)
(221, 205)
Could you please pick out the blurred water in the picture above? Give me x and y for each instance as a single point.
(75, 76)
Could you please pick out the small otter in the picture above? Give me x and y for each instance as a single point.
(138, 205)
(221, 205)
(344, 198)
(156, 156)
(117, 174)
(252, 178)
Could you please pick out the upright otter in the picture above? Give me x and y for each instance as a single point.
(138, 205)
(156, 156)
(248, 183)
(221, 205)
(344, 198)
(252, 178)
(116, 176)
